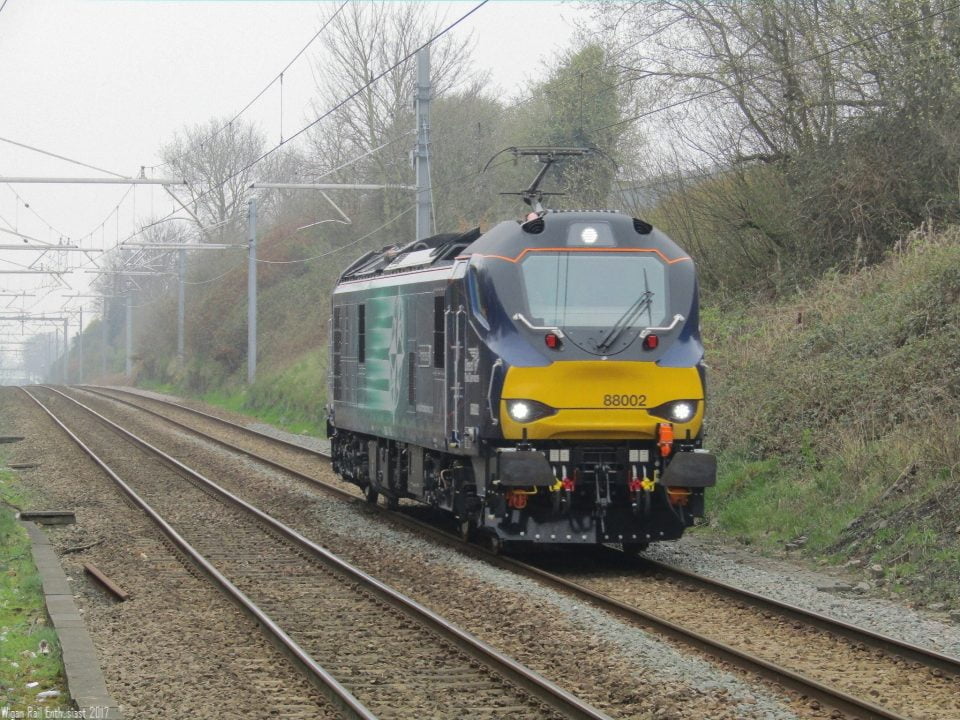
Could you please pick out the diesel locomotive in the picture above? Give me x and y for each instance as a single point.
(542, 381)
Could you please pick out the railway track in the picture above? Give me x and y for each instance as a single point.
(372, 651)
(904, 657)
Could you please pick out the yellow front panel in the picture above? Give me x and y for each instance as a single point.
(586, 393)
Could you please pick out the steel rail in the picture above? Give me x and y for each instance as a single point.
(857, 633)
(830, 696)
(226, 443)
(99, 389)
(880, 641)
(923, 655)
(539, 687)
(317, 675)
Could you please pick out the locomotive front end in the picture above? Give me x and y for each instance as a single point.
(596, 383)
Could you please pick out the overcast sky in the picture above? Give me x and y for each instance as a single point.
(107, 82)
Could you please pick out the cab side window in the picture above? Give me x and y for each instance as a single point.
(477, 305)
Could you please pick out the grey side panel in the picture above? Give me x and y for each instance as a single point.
(397, 392)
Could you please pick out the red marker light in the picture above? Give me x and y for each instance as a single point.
(552, 341)
(650, 342)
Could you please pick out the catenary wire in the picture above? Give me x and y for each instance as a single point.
(323, 116)
(29, 206)
(218, 277)
(276, 77)
(359, 90)
(342, 247)
(368, 153)
(61, 157)
(215, 133)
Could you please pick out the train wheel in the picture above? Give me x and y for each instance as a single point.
(393, 503)
(495, 544)
(465, 529)
(634, 548)
(371, 494)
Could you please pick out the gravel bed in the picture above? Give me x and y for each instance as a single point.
(785, 581)
(177, 645)
(347, 629)
(307, 441)
(613, 664)
(858, 669)
(798, 585)
(638, 649)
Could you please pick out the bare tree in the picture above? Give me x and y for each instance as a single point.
(363, 41)
(216, 160)
(840, 116)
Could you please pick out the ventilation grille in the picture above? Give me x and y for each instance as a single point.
(534, 227)
(644, 228)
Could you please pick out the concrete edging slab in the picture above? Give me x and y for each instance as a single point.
(80, 662)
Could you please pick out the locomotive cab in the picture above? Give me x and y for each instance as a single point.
(595, 399)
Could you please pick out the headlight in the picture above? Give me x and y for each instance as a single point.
(519, 411)
(679, 411)
(525, 411)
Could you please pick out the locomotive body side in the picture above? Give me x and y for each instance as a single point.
(388, 358)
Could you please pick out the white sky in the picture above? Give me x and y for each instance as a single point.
(108, 81)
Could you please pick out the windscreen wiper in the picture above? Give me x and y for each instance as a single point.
(640, 305)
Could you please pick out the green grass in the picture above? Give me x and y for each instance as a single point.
(821, 401)
(293, 398)
(291, 420)
(159, 387)
(770, 502)
(23, 617)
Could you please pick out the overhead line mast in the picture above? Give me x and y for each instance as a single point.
(422, 152)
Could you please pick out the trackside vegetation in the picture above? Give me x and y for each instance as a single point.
(30, 660)
(836, 414)
(291, 397)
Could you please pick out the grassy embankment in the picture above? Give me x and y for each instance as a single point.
(23, 618)
(292, 398)
(294, 302)
(836, 415)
